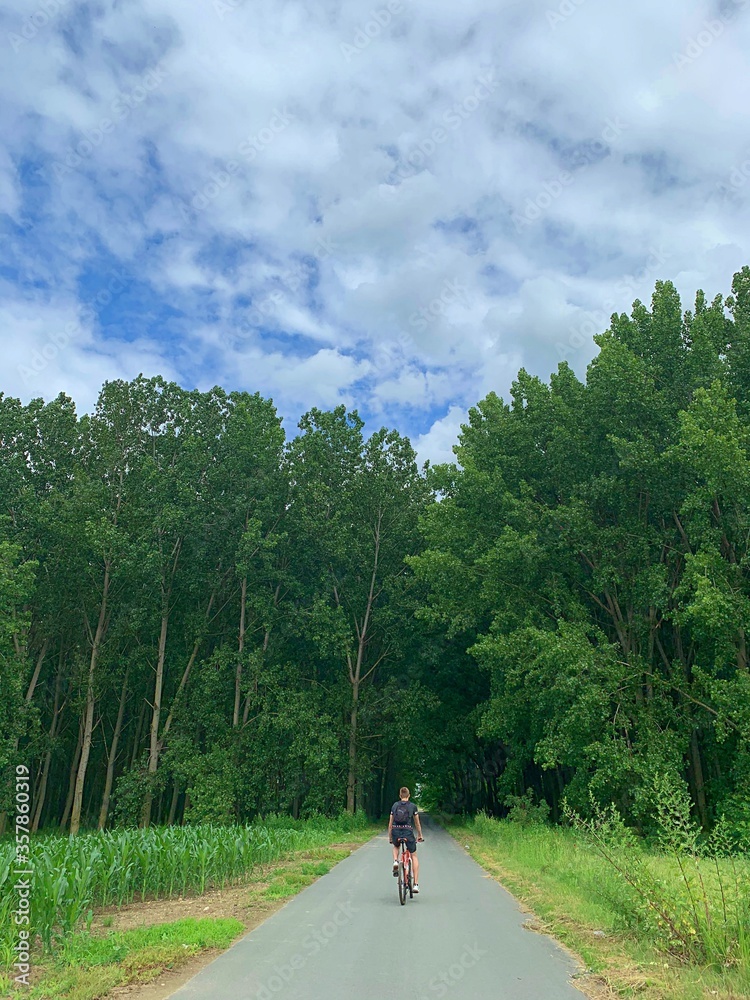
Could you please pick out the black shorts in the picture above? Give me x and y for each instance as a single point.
(407, 834)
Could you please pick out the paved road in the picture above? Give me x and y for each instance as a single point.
(347, 938)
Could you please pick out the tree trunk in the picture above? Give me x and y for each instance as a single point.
(153, 755)
(266, 639)
(29, 696)
(742, 651)
(42, 789)
(37, 670)
(72, 781)
(180, 689)
(170, 716)
(173, 805)
(75, 816)
(104, 811)
(355, 672)
(41, 794)
(137, 735)
(351, 781)
(184, 679)
(698, 781)
(238, 674)
(155, 743)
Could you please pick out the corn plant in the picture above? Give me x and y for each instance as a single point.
(72, 876)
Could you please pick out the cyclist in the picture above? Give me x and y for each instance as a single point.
(404, 816)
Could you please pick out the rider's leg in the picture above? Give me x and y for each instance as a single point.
(415, 862)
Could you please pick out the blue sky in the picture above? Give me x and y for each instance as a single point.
(394, 205)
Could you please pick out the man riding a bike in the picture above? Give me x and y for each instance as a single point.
(404, 817)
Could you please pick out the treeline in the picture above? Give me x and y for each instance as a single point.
(593, 555)
(201, 619)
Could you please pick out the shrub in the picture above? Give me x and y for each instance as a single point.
(524, 811)
(694, 896)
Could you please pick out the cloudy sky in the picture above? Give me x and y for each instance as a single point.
(394, 205)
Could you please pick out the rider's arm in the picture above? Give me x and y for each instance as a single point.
(419, 825)
(390, 824)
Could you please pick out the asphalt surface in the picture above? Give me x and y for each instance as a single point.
(346, 937)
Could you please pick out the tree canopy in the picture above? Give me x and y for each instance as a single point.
(200, 619)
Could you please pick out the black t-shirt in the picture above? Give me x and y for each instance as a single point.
(412, 813)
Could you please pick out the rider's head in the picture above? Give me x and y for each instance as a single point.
(404, 793)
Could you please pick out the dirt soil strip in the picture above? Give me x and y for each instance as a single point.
(230, 902)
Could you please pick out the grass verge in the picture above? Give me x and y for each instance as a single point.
(88, 967)
(579, 899)
(282, 882)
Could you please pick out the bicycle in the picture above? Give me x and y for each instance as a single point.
(405, 872)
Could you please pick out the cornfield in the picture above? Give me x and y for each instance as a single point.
(71, 876)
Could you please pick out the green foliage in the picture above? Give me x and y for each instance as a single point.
(207, 619)
(733, 826)
(698, 907)
(130, 793)
(591, 552)
(16, 584)
(211, 795)
(524, 811)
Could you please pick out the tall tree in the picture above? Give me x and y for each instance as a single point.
(355, 505)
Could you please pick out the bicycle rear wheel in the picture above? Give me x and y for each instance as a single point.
(401, 883)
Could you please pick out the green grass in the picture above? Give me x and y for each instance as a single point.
(88, 967)
(277, 883)
(576, 893)
(286, 882)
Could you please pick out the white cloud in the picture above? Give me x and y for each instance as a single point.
(436, 445)
(414, 388)
(10, 199)
(346, 149)
(54, 349)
